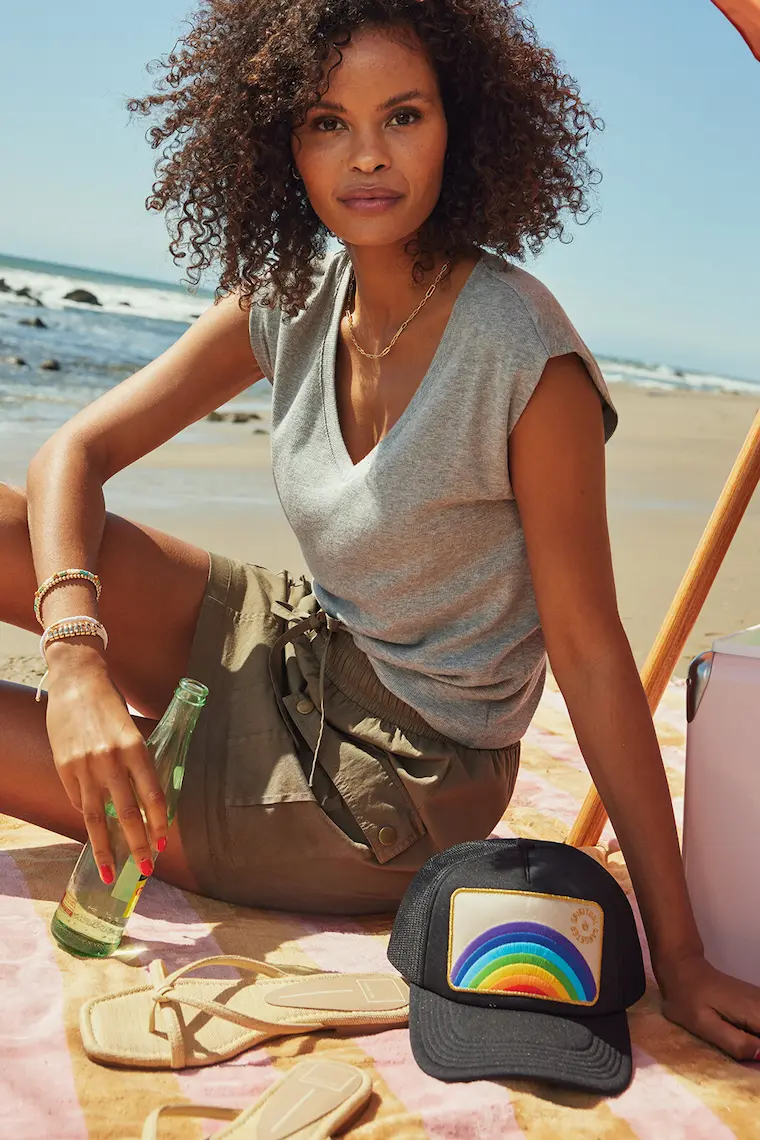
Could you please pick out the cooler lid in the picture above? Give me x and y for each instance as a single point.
(745, 643)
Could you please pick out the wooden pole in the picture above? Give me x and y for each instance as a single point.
(685, 608)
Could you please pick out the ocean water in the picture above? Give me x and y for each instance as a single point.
(98, 346)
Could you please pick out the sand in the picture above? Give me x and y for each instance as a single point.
(666, 467)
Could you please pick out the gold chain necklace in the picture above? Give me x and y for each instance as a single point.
(378, 355)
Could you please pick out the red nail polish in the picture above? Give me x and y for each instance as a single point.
(146, 867)
(106, 874)
(161, 844)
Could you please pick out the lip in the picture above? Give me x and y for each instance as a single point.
(370, 194)
(371, 200)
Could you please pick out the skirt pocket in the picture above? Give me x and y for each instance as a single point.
(364, 779)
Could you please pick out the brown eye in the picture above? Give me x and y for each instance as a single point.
(409, 114)
(327, 125)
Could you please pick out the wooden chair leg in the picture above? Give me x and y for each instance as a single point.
(685, 608)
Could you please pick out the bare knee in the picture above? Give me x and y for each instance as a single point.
(12, 505)
(14, 526)
(17, 581)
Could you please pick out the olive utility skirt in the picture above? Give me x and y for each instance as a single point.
(262, 824)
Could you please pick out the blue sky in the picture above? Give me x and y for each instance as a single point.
(668, 270)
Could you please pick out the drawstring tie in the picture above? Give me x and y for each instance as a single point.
(332, 624)
(298, 626)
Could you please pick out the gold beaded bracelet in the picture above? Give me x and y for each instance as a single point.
(58, 579)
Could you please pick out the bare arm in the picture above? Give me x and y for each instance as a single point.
(558, 474)
(208, 365)
(95, 744)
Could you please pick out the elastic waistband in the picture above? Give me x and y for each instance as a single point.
(349, 669)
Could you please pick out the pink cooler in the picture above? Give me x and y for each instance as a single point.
(721, 840)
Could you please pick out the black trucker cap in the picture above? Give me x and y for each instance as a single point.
(522, 957)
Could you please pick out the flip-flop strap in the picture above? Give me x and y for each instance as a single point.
(167, 1000)
(216, 1009)
(251, 965)
(197, 1111)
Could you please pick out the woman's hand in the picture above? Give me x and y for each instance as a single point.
(713, 1005)
(100, 754)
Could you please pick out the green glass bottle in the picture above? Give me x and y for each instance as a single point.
(91, 917)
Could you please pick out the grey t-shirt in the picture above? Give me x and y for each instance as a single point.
(418, 548)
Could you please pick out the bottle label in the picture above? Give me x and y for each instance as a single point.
(126, 882)
(128, 886)
(137, 892)
(82, 922)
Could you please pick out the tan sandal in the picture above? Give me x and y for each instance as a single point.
(180, 1023)
(308, 1103)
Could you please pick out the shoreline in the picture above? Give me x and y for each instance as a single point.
(666, 467)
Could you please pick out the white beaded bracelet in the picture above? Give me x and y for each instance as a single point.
(77, 626)
(81, 625)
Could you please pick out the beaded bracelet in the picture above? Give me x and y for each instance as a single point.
(82, 625)
(58, 579)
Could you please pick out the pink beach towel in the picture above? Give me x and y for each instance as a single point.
(49, 1090)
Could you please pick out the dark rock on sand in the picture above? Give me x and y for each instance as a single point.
(51, 365)
(33, 322)
(83, 296)
(232, 417)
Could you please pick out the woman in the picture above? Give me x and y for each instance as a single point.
(438, 445)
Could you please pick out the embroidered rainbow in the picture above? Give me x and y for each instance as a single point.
(525, 958)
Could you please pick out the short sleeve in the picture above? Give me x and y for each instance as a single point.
(546, 331)
(263, 331)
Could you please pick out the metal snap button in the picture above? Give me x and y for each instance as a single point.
(304, 705)
(387, 836)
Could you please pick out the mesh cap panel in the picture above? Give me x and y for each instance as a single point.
(408, 941)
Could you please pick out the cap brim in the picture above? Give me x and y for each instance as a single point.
(457, 1042)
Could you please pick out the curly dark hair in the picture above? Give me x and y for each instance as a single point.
(243, 77)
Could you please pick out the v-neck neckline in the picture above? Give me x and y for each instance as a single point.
(343, 460)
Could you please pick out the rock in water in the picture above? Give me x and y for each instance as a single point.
(83, 296)
(33, 322)
(18, 361)
(4, 286)
(29, 296)
(51, 365)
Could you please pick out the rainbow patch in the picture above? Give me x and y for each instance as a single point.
(520, 943)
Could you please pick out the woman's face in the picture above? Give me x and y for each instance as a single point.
(371, 151)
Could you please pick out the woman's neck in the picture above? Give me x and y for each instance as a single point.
(385, 292)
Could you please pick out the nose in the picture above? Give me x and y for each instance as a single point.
(369, 153)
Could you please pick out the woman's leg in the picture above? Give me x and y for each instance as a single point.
(153, 586)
